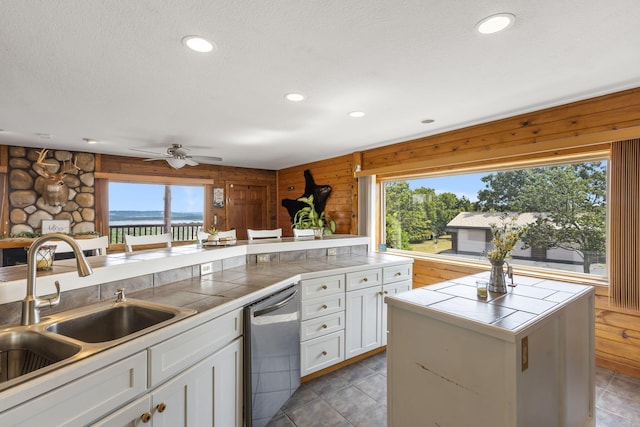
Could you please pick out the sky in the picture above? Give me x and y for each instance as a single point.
(147, 197)
(461, 185)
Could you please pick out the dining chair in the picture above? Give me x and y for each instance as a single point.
(264, 234)
(97, 245)
(131, 241)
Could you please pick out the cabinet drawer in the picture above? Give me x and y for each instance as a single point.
(320, 306)
(397, 273)
(178, 353)
(322, 352)
(315, 288)
(364, 279)
(320, 326)
(85, 399)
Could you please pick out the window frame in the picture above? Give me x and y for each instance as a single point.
(489, 167)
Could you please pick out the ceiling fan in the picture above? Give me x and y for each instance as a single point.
(176, 156)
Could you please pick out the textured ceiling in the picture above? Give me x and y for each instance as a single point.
(116, 71)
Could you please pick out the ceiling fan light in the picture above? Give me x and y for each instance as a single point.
(176, 163)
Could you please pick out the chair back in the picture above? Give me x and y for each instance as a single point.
(264, 234)
(98, 245)
(303, 232)
(131, 241)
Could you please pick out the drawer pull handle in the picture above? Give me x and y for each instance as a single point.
(380, 293)
(324, 286)
(398, 274)
(324, 353)
(145, 417)
(161, 407)
(385, 292)
(324, 326)
(324, 306)
(365, 280)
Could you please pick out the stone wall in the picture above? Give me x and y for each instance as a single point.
(27, 205)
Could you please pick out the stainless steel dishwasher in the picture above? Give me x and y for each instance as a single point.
(272, 354)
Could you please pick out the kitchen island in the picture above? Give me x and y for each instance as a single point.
(525, 358)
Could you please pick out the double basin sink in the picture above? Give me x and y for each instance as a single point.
(65, 337)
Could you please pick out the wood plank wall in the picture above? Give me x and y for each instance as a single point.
(221, 175)
(336, 172)
(617, 330)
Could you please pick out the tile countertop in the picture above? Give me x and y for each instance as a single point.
(239, 286)
(499, 315)
(123, 265)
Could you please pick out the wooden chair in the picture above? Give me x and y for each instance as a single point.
(264, 234)
(307, 232)
(131, 241)
(97, 245)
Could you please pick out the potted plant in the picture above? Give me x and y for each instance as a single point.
(504, 240)
(308, 217)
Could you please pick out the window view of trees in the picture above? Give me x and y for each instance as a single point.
(563, 207)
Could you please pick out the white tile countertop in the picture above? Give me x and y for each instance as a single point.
(501, 315)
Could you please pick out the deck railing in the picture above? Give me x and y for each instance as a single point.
(180, 232)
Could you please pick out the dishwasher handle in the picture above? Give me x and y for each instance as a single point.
(275, 306)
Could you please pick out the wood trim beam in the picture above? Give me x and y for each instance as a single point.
(554, 148)
(165, 180)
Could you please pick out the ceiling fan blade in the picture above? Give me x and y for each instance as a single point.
(205, 159)
(146, 151)
(191, 162)
(151, 160)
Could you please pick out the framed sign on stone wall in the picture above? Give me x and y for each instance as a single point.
(55, 226)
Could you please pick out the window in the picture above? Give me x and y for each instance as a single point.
(139, 209)
(563, 209)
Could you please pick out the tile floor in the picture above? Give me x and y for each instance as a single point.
(357, 396)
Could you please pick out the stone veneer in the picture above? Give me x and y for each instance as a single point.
(27, 207)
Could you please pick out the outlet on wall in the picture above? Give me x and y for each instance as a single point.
(263, 258)
(331, 251)
(206, 268)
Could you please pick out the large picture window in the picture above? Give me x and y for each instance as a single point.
(562, 207)
(144, 209)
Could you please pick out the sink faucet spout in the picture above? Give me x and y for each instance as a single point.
(31, 303)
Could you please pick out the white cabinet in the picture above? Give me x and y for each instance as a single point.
(523, 359)
(366, 313)
(208, 394)
(84, 399)
(322, 325)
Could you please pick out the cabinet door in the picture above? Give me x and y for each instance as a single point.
(389, 291)
(218, 388)
(132, 415)
(171, 404)
(364, 321)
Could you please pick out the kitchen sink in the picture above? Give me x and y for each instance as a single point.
(23, 352)
(66, 337)
(116, 321)
(111, 323)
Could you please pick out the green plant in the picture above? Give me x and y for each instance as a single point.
(212, 231)
(308, 217)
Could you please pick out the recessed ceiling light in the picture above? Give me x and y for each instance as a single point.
(90, 141)
(294, 97)
(357, 114)
(427, 121)
(495, 23)
(198, 44)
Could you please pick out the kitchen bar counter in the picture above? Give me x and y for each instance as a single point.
(524, 358)
(238, 279)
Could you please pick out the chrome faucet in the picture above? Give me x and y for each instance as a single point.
(31, 303)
